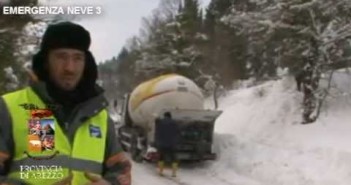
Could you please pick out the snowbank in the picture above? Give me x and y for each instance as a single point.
(260, 141)
(259, 136)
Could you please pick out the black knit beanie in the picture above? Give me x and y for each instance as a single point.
(66, 35)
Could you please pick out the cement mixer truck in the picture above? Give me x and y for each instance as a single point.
(184, 100)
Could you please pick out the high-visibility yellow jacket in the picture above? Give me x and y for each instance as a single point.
(84, 153)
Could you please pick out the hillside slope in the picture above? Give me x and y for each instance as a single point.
(260, 136)
(260, 141)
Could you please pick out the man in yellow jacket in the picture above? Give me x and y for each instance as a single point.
(74, 140)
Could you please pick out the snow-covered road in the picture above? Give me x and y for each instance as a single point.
(259, 141)
(205, 173)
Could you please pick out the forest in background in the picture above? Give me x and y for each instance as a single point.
(233, 40)
(20, 37)
(216, 46)
(12, 41)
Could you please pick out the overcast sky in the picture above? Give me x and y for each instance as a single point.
(120, 20)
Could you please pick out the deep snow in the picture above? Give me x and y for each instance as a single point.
(260, 141)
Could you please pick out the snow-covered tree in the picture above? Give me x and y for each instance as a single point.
(290, 30)
(171, 40)
(27, 45)
(304, 35)
(11, 80)
(10, 31)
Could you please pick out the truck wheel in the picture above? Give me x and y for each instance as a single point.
(124, 148)
(135, 152)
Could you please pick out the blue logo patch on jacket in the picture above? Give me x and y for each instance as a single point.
(95, 131)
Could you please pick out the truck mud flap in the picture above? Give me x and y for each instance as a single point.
(134, 150)
(192, 157)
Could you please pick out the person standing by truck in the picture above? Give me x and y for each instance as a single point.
(166, 138)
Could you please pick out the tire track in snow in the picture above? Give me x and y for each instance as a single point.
(205, 173)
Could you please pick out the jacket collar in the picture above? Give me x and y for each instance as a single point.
(87, 108)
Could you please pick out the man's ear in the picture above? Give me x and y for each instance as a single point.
(3, 157)
(32, 76)
(40, 65)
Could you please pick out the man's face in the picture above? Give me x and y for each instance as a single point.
(66, 67)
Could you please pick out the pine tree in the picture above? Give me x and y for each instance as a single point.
(190, 17)
(11, 30)
(225, 48)
(305, 36)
